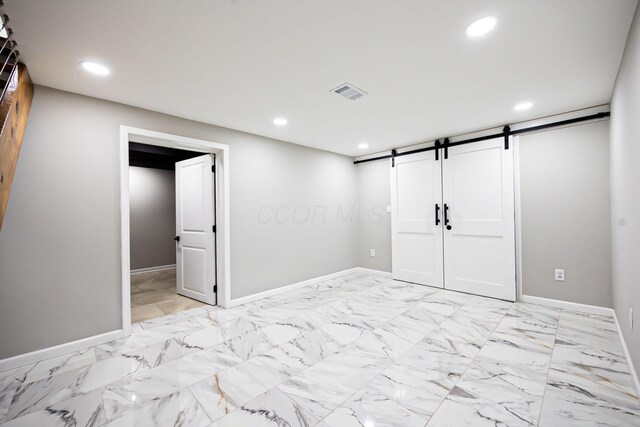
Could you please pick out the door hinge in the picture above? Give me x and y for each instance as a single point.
(215, 288)
(213, 228)
(213, 168)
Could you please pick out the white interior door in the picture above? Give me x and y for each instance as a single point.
(479, 247)
(195, 220)
(416, 230)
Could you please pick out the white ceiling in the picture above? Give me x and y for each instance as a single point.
(241, 63)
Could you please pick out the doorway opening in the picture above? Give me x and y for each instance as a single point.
(175, 224)
(152, 230)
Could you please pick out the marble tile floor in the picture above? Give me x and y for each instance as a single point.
(154, 295)
(359, 350)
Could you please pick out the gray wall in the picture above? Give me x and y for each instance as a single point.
(625, 190)
(374, 227)
(60, 242)
(152, 217)
(564, 194)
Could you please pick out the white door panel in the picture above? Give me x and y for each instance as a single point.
(193, 201)
(479, 247)
(416, 239)
(195, 218)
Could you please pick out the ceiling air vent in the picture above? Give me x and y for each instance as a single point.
(349, 91)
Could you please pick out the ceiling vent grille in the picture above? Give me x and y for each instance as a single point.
(349, 91)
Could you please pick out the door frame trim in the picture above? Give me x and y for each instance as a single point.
(517, 209)
(222, 208)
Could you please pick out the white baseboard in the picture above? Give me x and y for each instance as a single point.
(566, 305)
(634, 373)
(271, 292)
(372, 271)
(152, 269)
(288, 288)
(58, 350)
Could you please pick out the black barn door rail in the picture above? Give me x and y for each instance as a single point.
(506, 132)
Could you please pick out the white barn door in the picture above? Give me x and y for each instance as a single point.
(479, 241)
(416, 232)
(195, 220)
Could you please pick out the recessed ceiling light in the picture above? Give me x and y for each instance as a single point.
(481, 26)
(94, 68)
(363, 145)
(523, 106)
(280, 121)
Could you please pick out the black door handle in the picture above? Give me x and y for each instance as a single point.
(177, 238)
(446, 216)
(437, 214)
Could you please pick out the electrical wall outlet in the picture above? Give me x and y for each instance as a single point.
(373, 252)
(631, 317)
(559, 275)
